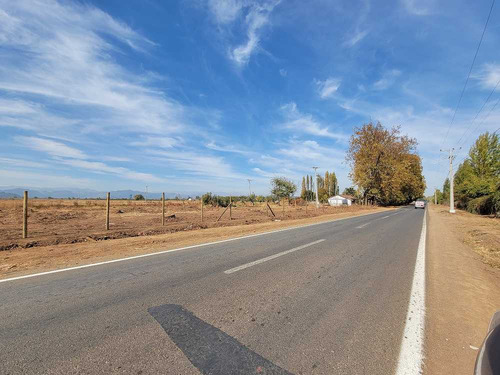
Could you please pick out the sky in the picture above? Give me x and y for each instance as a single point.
(202, 95)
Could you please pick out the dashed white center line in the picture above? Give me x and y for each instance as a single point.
(362, 226)
(243, 266)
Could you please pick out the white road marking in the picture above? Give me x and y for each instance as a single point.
(385, 217)
(364, 225)
(411, 353)
(271, 257)
(178, 249)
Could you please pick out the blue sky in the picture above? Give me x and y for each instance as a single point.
(202, 95)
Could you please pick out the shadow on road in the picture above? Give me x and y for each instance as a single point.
(208, 348)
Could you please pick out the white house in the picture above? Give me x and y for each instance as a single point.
(339, 200)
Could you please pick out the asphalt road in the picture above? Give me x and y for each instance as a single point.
(324, 299)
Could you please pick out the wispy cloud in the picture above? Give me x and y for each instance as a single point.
(195, 163)
(418, 7)
(354, 38)
(283, 72)
(99, 167)
(161, 142)
(387, 80)
(489, 75)
(253, 15)
(229, 148)
(50, 147)
(359, 29)
(328, 87)
(306, 123)
(225, 11)
(256, 18)
(62, 53)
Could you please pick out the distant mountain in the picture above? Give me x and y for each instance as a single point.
(17, 192)
(4, 195)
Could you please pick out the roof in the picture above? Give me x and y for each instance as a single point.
(337, 197)
(351, 197)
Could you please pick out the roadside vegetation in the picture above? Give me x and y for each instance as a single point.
(385, 165)
(477, 179)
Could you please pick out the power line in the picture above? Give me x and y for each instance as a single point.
(480, 110)
(493, 134)
(470, 70)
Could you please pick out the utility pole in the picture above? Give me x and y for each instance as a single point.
(435, 196)
(316, 175)
(249, 187)
(451, 157)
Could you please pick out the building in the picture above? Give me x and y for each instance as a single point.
(339, 200)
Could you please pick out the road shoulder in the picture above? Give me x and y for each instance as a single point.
(462, 294)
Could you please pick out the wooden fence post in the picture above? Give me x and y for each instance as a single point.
(230, 208)
(107, 210)
(201, 210)
(162, 208)
(25, 214)
(283, 202)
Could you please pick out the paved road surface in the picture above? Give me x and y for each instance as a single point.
(324, 299)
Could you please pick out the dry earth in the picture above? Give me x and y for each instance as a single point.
(71, 242)
(463, 288)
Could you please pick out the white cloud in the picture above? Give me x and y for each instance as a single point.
(225, 11)
(283, 72)
(99, 167)
(306, 123)
(256, 17)
(63, 53)
(162, 142)
(22, 163)
(196, 163)
(354, 38)
(50, 147)
(489, 76)
(264, 173)
(328, 87)
(213, 146)
(418, 7)
(312, 150)
(387, 80)
(43, 180)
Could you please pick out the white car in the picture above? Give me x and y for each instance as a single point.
(420, 203)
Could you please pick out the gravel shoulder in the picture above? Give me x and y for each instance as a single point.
(462, 288)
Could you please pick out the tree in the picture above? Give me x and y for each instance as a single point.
(484, 156)
(304, 189)
(385, 165)
(327, 183)
(477, 180)
(139, 197)
(333, 184)
(282, 188)
(446, 190)
(350, 191)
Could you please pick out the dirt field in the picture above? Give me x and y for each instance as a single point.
(481, 233)
(462, 289)
(59, 221)
(63, 234)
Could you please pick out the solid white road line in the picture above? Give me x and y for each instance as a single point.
(271, 257)
(178, 249)
(411, 353)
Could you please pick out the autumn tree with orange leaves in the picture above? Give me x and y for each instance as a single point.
(385, 165)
